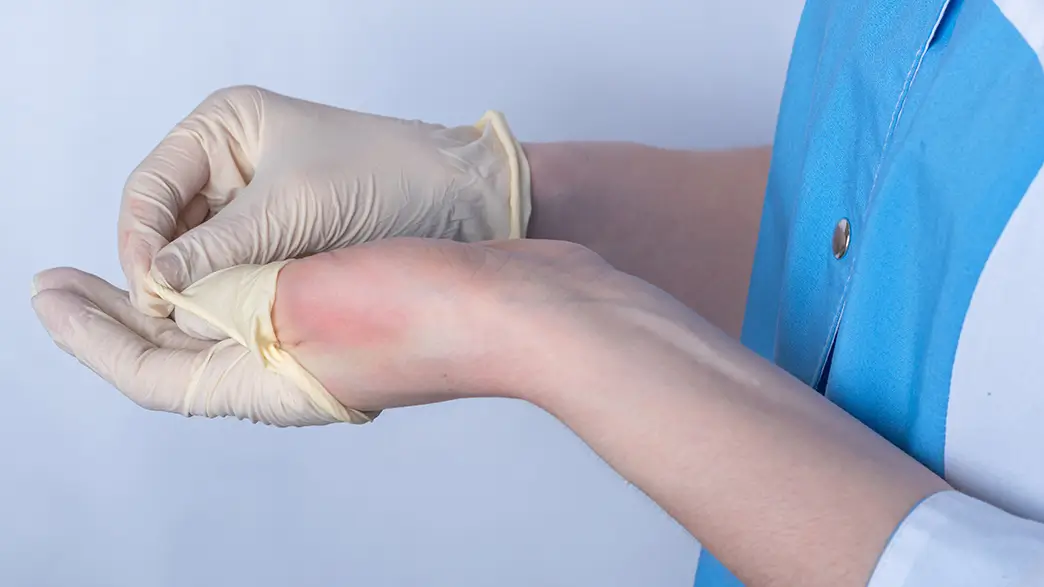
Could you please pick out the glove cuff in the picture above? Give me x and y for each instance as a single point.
(238, 302)
(520, 197)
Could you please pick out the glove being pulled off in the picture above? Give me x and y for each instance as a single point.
(247, 374)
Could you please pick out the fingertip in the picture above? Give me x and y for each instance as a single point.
(82, 329)
(197, 253)
(54, 308)
(40, 302)
(169, 269)
(45, 278)
(55, 278)
(149, 303)
(137, 261)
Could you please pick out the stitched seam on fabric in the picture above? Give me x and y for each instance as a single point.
(835, 322)
(904, 92)
(900, 104)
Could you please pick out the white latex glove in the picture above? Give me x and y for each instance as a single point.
(252, 177)
(246, 375)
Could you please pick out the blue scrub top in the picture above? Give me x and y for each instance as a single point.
(900, 263)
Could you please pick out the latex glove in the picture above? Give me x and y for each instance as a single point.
(392, 323)
(162, 368)
(252, 177)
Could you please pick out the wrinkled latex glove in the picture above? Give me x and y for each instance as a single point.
(252, 177)
(150, 360)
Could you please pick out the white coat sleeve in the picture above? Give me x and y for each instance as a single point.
(954, 540)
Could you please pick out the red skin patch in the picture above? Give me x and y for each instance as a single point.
(319, 302)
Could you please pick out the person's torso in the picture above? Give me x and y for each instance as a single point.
(900, 262)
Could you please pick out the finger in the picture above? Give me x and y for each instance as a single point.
(115, 302)
(152, 378)
(156, 191)
(235, 236)
(211, 153)
(232, 237)
(193, 215)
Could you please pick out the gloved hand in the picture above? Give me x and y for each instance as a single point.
(252, 177)
(161, 368)
(390, 323)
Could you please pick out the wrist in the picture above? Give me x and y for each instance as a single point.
(554, 168)
(612, 327)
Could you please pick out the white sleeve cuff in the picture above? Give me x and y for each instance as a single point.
(955, 540)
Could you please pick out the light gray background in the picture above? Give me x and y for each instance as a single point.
(96, 492)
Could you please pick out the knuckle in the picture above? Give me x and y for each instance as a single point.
(228, 111)
(143, 181)
(229, 104)
(234, 95)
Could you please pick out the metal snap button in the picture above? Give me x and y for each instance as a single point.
(842, 238)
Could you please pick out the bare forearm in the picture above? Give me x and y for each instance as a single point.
(686, 221)
(759, 467)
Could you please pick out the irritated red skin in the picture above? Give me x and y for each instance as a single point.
(371, 324)
(319, 302)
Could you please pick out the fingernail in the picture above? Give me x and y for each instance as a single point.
(37, 283)
(169, 270)
(43, 316)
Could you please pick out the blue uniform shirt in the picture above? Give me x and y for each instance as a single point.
(900, 264)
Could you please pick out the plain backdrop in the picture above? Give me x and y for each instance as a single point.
(97, 492)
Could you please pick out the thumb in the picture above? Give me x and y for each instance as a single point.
(232, 237)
